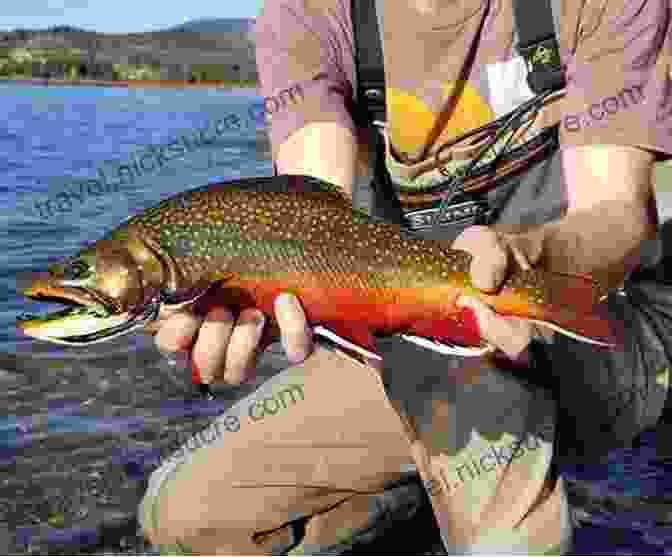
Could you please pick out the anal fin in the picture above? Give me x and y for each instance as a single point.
(461, 329)
(352, 338)
(450, 349)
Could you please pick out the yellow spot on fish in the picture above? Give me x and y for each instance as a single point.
(663, 377)
(56, 520)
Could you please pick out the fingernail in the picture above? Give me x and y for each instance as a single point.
(254, 317)
(296, 356)
(259, 320)
(286, 305)
(184, 344)
(481, 284)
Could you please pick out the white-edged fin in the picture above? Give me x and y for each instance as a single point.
(450, 349)
(319, 330)
(570, 334)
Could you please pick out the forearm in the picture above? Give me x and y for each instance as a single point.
(611, 210)
(604, 241)
(324, 150)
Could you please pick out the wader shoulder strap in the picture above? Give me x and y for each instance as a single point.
(368, 61)
(538, 45)
(370, 103)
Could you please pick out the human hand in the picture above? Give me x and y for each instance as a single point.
(224, 349)
(491, 252)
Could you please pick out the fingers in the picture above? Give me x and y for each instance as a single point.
(226, 349)
(510, 335)
(517, 252)
(490, 251)
(241, 357)
(295, 334)
(490, 256)
(177, 332)
(209, 354)
(488, 269)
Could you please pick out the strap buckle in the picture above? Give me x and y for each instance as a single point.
(544, 65)
(372, 101)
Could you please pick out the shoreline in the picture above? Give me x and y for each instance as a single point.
(46, 82)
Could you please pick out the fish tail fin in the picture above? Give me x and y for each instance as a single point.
(580, 290)
(575, 308)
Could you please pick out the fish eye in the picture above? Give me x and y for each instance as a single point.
(75, 269)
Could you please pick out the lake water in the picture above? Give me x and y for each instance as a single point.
(81, 429)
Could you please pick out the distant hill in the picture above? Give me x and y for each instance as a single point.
(200, 25)
(216, 25)
(203, 50)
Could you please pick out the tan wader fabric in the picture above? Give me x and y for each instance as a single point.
(319, 436)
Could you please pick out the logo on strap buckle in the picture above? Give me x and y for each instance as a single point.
(458, 213)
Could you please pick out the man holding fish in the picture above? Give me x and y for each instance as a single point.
(554, 175)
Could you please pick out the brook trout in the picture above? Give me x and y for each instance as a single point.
(258, 237)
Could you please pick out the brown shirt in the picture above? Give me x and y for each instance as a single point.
(617, 54)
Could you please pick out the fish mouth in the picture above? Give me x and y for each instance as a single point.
(72, 295)
(88, 318)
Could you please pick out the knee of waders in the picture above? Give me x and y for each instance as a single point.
(172, 513)
(171, 534)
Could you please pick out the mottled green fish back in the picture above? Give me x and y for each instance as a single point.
(291, 225)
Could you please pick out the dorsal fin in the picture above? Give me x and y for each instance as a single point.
(275, 184)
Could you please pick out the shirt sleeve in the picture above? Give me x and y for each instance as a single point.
(305, 62)
(619, 89)
(607, 397)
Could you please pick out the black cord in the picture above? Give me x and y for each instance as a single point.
(510, 122)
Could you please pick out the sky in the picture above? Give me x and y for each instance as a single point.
(119, 16)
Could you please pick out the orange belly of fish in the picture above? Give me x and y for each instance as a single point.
(357, 313)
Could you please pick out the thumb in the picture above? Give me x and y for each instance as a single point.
(488, 270)
(295, 334)
(510, 335)
(527, 248)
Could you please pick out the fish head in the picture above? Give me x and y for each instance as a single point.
(104, 290)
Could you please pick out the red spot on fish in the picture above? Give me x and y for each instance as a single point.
(195, 374)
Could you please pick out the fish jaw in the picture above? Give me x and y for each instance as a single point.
(74, 326)
(102, 288)
(90, 316)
